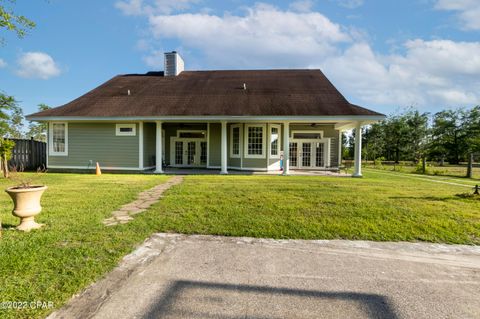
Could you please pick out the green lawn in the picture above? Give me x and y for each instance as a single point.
(432, 169)
(382, 206)
(75, 249)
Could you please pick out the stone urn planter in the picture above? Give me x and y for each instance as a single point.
(26, 202)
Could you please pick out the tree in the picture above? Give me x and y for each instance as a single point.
(417, 134)
(38, 131)
(447, 135)
(11, 117)
(471, 124)
(11, 21)
(374, 141)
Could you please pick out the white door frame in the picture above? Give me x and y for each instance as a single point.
(326, 153)
(185, 141)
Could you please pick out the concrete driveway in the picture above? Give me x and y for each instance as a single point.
(179, 276)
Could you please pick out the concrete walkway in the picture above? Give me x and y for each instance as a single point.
(142, 203)
(179, 276)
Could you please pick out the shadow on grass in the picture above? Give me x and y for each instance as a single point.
(8, 226)
(468, 196)
(427, 198)
(194, 299)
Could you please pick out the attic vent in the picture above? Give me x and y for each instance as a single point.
(174, 64)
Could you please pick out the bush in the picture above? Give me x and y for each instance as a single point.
(378, 162)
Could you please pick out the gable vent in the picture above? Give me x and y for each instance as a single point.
(174, 64)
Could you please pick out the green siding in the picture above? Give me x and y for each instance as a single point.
(171, 129)
(214, 144)
(97, 142)
(149, 144)
(329, 131)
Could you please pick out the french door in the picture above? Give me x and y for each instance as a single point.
(307, 154)
(189, 153)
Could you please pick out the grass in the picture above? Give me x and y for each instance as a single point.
(382, 206)
(75, 249)
(432, 169)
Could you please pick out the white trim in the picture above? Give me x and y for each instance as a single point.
(239, 141)
(158, 147)
(292, 135)
(326, 159)
(198, 152)
(191, 131)
(48, 143)
(245, 141)
(358, 151)
(340, 145)
(286, 148)
(93, 167)
(223, 148)
(140, 145)
(328, 145)
(242, 129)
(133, 126)
(208, 145)
(292, 119)
(270, 126)
(51, 152)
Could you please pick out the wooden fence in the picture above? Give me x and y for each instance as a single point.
(28, 155)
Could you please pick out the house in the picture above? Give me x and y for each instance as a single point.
(255, 120)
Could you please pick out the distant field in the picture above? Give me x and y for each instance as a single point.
(432, 169)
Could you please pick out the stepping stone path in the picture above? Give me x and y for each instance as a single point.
(142, 203)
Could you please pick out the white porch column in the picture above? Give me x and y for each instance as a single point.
(158, 149)
(286, 148)
(358, 150)
(224, 148)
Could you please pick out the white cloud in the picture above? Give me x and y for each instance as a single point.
(468, 11)
(301, 6)
(37, 65)
(251, 40)
(2, 63)
(155, 59)
(350, 4)
(141, 7)
(436, 73)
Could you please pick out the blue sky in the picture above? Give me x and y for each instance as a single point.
(382, 54)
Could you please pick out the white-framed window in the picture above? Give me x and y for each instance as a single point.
(254, 141)
(191, 134)
(58, 139)
(307, 135)
(235, 133)
(275, 141)
(126, 129)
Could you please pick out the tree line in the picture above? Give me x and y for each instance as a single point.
(12, 121)
(12, 126)
(451, 136)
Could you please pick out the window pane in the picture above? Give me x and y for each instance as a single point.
(307, 135)
(236, 141)
(255, 140)
(274, 141)
(192, 135)
(126, 129)
(58, 137)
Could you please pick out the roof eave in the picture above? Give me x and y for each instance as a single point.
(326, 118)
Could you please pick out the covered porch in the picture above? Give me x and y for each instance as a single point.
(248, 147)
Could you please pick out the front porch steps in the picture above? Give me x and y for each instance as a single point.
(144, 200)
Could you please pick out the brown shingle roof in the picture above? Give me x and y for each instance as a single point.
(213, 93)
